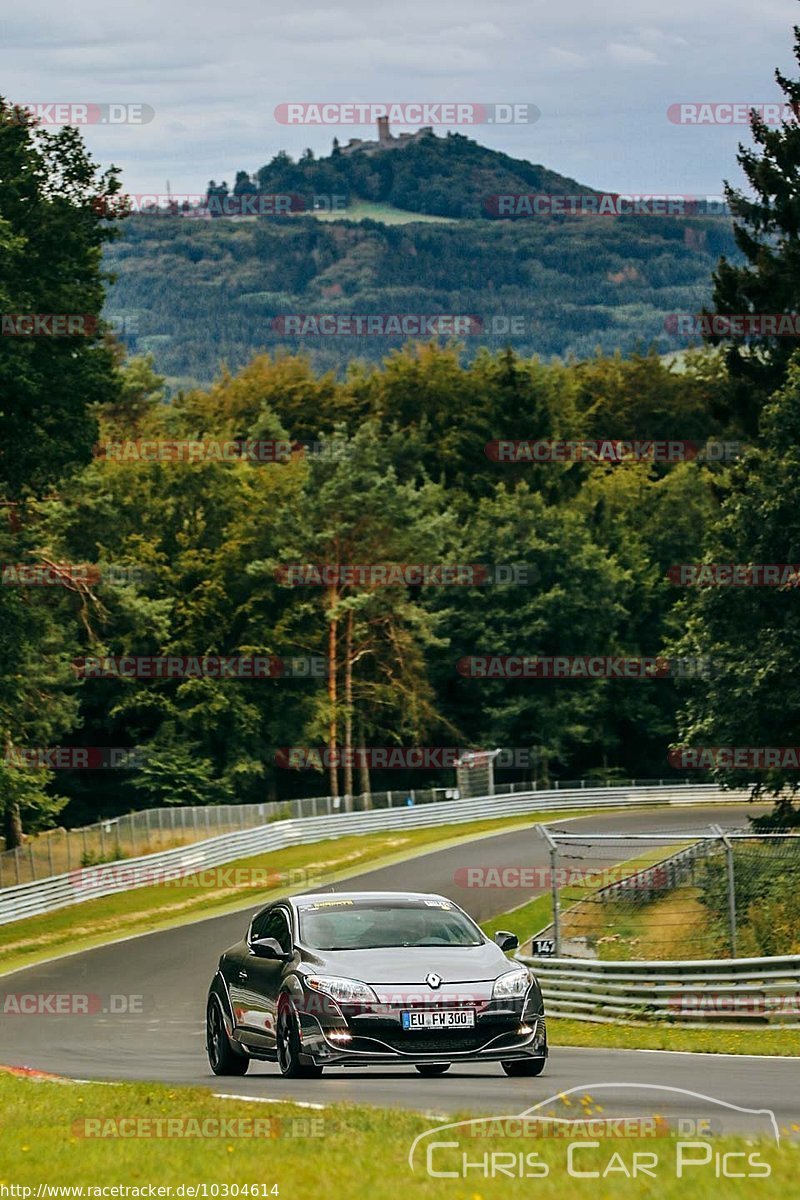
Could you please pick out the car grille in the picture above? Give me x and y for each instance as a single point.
(433, 1042)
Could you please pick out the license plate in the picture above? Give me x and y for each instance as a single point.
(441, 1018)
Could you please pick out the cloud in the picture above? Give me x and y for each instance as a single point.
(214, 76)
(567, 57)
(625, 53)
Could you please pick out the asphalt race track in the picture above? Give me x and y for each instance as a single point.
(171, 970)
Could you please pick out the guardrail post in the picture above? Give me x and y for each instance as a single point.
(731, 886)
(553, 845)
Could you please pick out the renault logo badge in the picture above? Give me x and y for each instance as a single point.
(433, 980)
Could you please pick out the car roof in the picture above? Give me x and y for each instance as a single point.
(397, 897)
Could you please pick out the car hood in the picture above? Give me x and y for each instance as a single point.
(411, 965)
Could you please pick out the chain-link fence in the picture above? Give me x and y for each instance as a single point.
(151, 830)
(672, 896)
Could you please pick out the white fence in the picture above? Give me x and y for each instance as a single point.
(757, 991)
(74, 887)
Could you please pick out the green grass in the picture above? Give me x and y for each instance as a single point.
(525, 920)
(345, 1152)
(141, 910)
(563, 1031)
(386, 213)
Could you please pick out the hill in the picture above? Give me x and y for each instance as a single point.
(452, 176)
(198, 292)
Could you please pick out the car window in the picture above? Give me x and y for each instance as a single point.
(367, 926)
(258, 928)
(277, 927)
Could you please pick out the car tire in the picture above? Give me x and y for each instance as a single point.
(288, 1044)
(523, 1066)
(433, 1068)
(222, 1057)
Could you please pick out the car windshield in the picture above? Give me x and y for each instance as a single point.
(367, 925)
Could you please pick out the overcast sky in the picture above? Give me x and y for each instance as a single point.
(602, 75)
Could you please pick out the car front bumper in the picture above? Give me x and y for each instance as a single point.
(367, 1039)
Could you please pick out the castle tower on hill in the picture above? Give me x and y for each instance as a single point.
(386, 140)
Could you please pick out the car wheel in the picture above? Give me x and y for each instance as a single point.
(433, 1068)
(224, 1060)
(524, 1066)
(288, 1038)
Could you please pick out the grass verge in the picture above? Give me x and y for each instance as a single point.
(356, 1151)
(563, 1031)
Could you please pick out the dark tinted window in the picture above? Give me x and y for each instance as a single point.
(272, 923)
(366, 925)
(276, 927)
(259, 924)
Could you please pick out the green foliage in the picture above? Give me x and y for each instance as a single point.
(767, 898)
(203, 293)
(51, 236)
(753, 631)
(767, 232)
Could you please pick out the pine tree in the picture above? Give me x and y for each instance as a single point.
(767, 231)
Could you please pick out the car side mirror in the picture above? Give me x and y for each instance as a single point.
(269, 948)
(506, 940)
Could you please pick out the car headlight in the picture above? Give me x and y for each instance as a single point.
(348, 991)
(512, 984)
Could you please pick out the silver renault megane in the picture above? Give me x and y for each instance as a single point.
(355, 979)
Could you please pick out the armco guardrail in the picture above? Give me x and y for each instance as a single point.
(759, 991)
(151, 830)
(87, 883)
